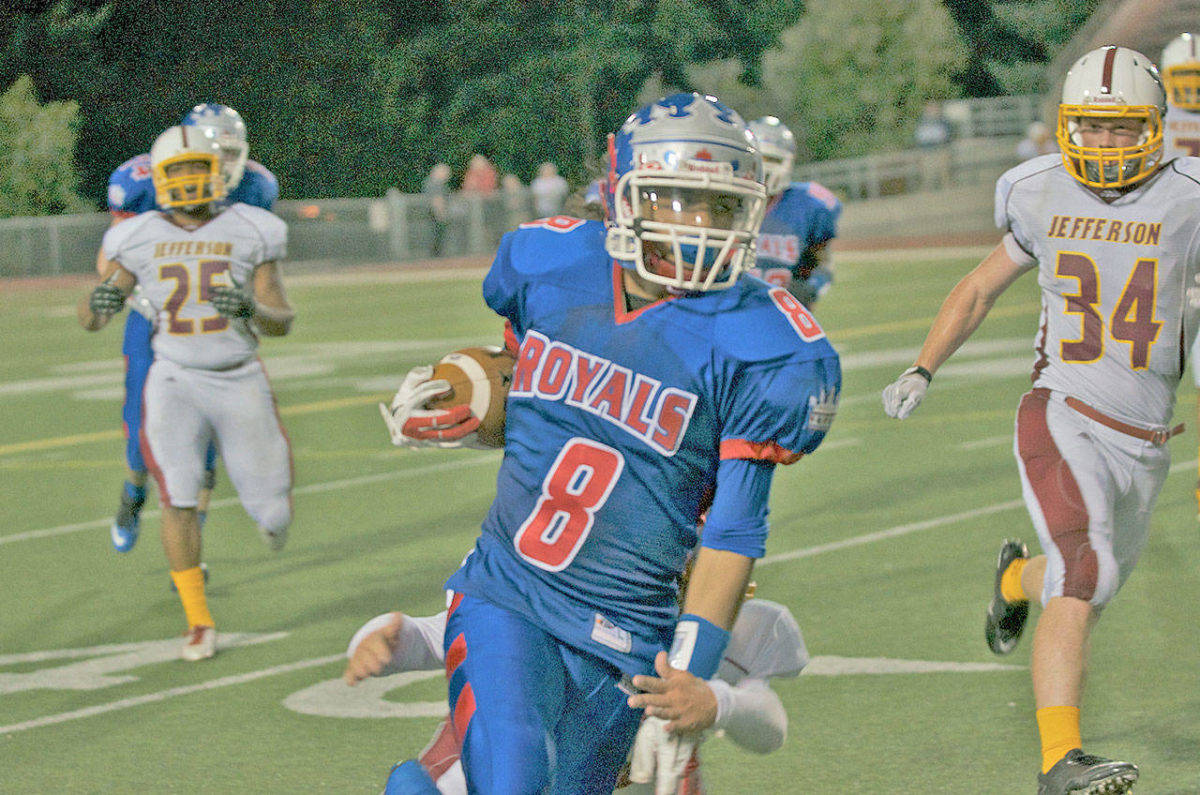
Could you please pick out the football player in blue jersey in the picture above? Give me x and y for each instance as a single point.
(652, 386)
(130, 192)
(793, 245)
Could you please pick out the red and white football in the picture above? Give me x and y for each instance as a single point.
(478, 378)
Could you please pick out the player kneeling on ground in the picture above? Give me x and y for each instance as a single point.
(1111, 232)
(765, 643)
(209, 272)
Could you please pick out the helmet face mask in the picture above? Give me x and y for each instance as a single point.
(685, 201)
(1110, 121)
(185, 168)
(1180, 65)
(227, 128)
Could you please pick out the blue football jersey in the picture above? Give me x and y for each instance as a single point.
(258, 187)
(805, 215)
(131, 188)
(616, 423)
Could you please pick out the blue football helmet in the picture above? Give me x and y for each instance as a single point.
(778, 147)
(227, 127)
(685, 196)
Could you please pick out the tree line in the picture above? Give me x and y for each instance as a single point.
(355, 97)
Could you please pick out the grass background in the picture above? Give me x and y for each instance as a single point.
(380, 529)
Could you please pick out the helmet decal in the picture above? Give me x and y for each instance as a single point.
(684, 193)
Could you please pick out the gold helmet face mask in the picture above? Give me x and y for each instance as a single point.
(1107, 167)
(194, 187)
(1182, 82)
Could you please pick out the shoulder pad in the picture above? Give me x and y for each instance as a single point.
(818, 193)
(772, 324)
(1041, 164)
(1187, 166)
(538, 246)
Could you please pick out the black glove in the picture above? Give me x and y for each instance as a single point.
(231, 301)
(107, 299)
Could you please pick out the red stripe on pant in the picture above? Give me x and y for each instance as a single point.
(442, 752)
(1057, 495)
(464, 709)
(164, 496)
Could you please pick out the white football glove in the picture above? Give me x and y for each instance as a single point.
(412, 425)
(660, 756)
(904, 394)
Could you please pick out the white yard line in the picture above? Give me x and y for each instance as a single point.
(914, 527)
(991, 441)
(312, 488)
(163, 695)
(891, 532)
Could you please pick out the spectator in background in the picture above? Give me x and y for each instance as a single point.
(481, 178)
(549, 191)
(437, 189)
(1037, 142)
(515, 202)
(932, 129)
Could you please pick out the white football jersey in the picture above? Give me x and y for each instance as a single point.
(1181, 132)
(1115, 325)
(176, 268)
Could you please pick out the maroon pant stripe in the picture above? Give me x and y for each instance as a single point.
(1057, 495)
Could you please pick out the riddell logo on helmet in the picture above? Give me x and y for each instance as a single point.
(709, 167)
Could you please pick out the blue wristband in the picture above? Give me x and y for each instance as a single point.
(698, 646)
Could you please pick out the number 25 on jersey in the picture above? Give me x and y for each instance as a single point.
(210, 271)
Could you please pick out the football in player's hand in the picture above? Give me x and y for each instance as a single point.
(478, 378)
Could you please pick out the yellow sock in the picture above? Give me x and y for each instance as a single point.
(1059, 728)
(1010, 581)
(190, 584)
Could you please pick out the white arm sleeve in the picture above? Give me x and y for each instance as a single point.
(419, 647)
(751, 714)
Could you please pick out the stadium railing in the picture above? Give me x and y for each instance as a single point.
(400, 227)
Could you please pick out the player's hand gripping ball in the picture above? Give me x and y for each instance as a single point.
(231, 302)
(457, 403)
(107, 299)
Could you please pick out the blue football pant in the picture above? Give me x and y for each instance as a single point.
(138, 358)
(533, 715)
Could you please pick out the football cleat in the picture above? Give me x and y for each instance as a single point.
(1005, 619)
(1087, 775)
(199, 643)
(203, 568)
(273, 540)
(127, 525)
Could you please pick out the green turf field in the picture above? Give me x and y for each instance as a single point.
(882, 545)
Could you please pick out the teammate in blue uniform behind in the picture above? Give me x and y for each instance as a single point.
(652, 386)
(130, 192)
(793, 245)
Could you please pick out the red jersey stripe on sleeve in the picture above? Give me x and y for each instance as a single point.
(758, 451)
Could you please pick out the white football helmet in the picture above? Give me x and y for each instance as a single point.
(778, 147)
(1180, 66)
(684, 193)
(1111, 83)
(180, 145)
(230, 132)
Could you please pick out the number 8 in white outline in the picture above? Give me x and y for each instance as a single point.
(554, 519)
